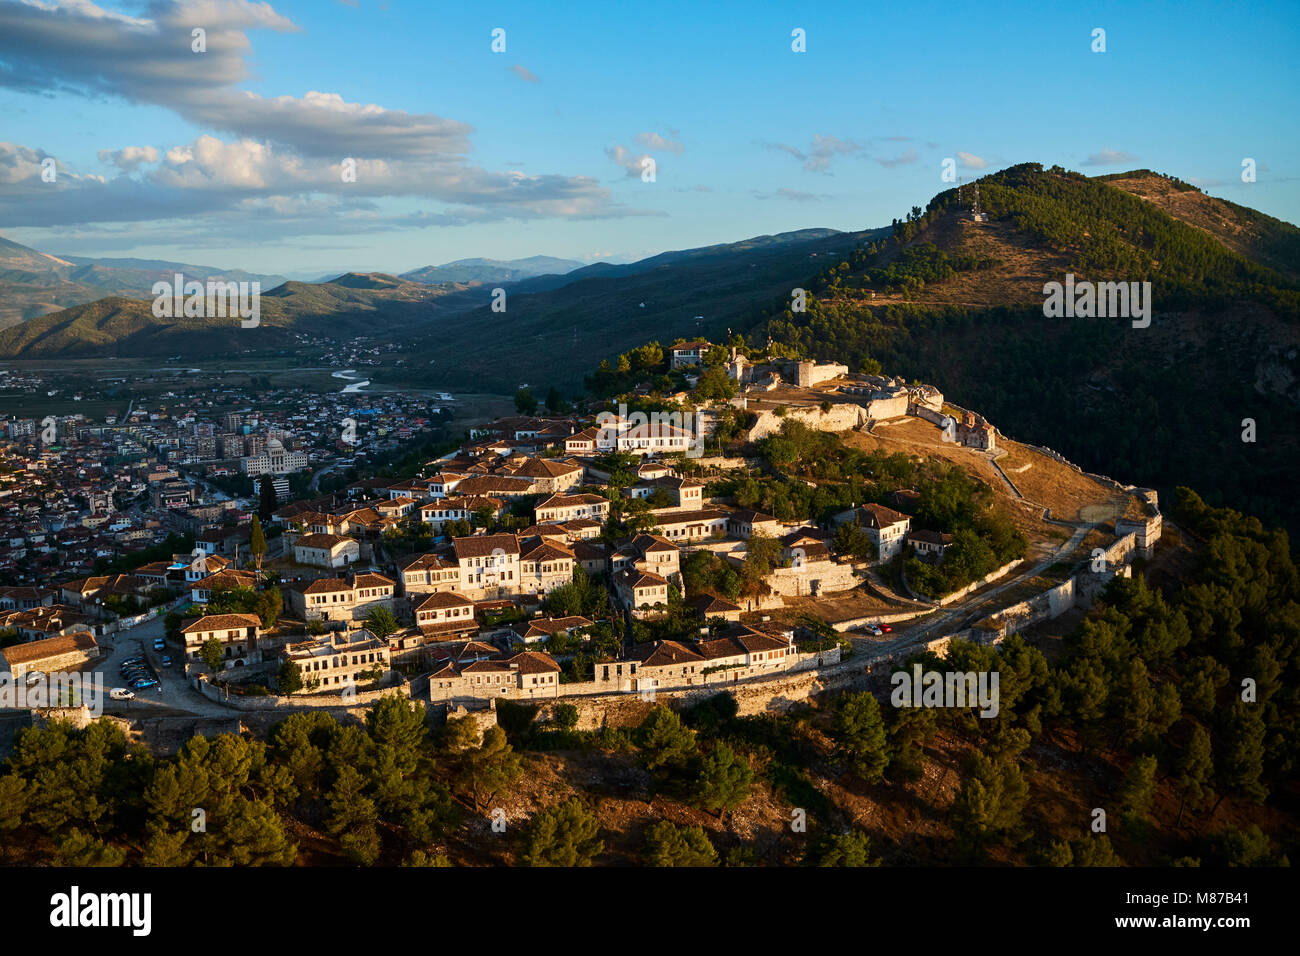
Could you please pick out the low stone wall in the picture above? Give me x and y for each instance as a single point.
(929, 414)
(274, 702)
(1079, 590)
(968, 589)
(630, 708)
(841, 418)
(1007, 478)
(854, 623)
(126, 623)
(722, 463)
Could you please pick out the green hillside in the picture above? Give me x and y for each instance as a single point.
(959, 303)
(556, 334)
(373, 305)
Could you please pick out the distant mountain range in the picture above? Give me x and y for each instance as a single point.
(34, 283)
(293, 315)
(470, 271)
(721, 283)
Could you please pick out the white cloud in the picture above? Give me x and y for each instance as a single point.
(525, 74)
(631, 162)
(902, 159)
(820, 153)
(128, 158)
(971, 161)
(793, 195)
(211, 176)
(659, 143)
(1109, 157)
(288, 145)
(76, 47)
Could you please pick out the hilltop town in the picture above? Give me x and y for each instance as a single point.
(754, 520)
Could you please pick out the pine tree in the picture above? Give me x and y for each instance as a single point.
(1195, 772)
(668, 845)
(665, 744)
(859, 735)
(1138, 789)
(564, 835)
(724, 781)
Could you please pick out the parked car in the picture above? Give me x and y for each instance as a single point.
(140, 683)
(884, 627)
(873, 630)
(35, 677)
(159, 644)
(121, 693)
(166, 660)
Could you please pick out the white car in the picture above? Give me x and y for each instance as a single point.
(121, 693)
(34, 678)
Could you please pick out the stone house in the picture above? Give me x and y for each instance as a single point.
(445, 616)
(429, 574)
(489, 564)
(529, 673)
(640, 590)
(326, 550)
(930, 545)
(746, 523)
(238, 634)
(441, 511)
(337, 660)
(550, 476)
(560, 508)
(689, 353)
(26, 598)
(46, 621)
(201, 591)
(538, 629)
(648, 552)
(886, 528)
(340, 599)
(690, 525)
(544, 564)
(583, 442)
(687, 493)
(496, 486)
(707, 607)
(66, 652)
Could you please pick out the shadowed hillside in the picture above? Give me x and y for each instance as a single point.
(959, 303)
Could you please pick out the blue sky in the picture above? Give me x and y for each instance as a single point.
(232, 157)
